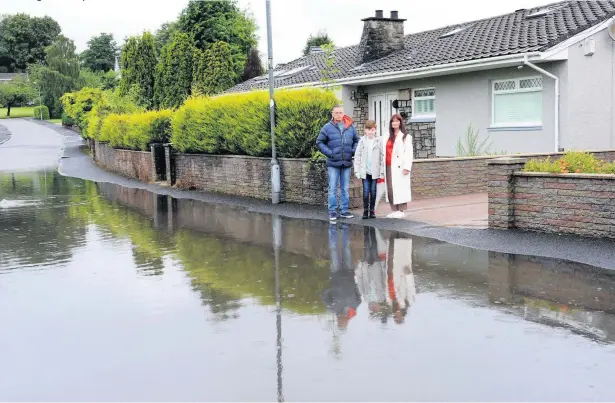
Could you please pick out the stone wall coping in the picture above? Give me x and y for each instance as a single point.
(248, 157)
(560, 176)
(490, 157)
(507, 161)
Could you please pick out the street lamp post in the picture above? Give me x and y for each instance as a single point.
(275, 166)
(40, 100)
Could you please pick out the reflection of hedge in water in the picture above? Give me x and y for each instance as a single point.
(247, 271)
(150, 245)
(224, 271)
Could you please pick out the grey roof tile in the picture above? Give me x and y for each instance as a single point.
(506, 34)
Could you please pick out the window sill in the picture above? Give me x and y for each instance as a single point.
(514, 128)
(423, 119)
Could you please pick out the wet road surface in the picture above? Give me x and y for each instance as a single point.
(119, 294)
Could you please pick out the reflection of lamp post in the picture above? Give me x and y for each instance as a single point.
(277, 243)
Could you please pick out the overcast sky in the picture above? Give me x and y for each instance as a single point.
(292, 20)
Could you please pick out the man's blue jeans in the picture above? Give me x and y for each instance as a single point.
(341, 177)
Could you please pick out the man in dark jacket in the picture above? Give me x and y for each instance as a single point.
(338, 141)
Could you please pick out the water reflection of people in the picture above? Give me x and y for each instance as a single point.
(401, 289)
(370, 273)
(342, 297)
(384, 276)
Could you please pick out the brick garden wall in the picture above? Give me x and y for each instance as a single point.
(580, 204)
(441, 177)
(132, 164)
(302, 181)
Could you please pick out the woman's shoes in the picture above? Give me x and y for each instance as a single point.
(365, 215)
(397, 214)
(372, 214)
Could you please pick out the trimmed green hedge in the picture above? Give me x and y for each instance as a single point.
(239, 123)
(229, 124)
(136, 131)
(37, 112)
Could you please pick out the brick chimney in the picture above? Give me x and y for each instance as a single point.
(381, 36)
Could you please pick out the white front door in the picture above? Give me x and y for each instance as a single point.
(376, 107)
(381, 109)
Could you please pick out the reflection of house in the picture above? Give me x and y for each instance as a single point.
(8, 77)
(486, 73)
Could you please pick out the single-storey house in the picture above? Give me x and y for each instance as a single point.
(534, 80)
(8, 77)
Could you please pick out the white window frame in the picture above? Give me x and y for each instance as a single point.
(414, 99)
(517, 90)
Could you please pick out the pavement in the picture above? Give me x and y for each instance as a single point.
(465, 211)
(28, 148)
(5, 134)
(459, 220)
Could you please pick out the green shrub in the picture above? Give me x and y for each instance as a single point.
(37, 112)
(300, 114)
(136, 131)
(571, 162)
(78, 105)
(110, 103)
(67, 120)
(239, 123)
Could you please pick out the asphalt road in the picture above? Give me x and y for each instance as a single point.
(76, 163)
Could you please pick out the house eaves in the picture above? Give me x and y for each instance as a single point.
(431, 71)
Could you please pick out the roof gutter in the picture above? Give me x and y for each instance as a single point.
(440, 69)
(554, 77)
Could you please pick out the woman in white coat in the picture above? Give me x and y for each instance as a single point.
(398, 155)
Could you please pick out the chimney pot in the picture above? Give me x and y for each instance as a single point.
(394, 15)
(379, 14)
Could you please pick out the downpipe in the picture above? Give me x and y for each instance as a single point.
(526, 62)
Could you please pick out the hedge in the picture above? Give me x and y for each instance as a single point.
(136, 131)
(78, 104)
(239, 123)
(88, 107)
(37, 112)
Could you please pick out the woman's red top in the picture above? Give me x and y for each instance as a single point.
(389, 151)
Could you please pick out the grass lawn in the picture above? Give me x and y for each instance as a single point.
(56, 121)
(21, 112)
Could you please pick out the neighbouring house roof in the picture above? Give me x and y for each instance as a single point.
(523, 31)
(10, 76)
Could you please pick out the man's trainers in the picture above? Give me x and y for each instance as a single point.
(346, 215)
(332, 217)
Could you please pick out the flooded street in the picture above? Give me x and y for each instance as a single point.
(115, 294)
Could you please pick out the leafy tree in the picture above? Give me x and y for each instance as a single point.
(90, 79)
(60, 74)
(61, 57)
(52, 85)
(100, 54)
(174, 72)
(23, 40)
(320, 39)
(253, 67)
(15, 93)
(214, 72)
(164, 35)
(329, 68)
(208, 22)
(138, 68)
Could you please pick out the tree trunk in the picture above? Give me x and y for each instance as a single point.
(8, 109)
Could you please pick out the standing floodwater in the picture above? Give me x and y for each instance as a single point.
(110, 293)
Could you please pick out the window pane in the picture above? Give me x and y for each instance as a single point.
(530, 83)
(525, 107)
(505, 86)
(430, 92)
(425, 106)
